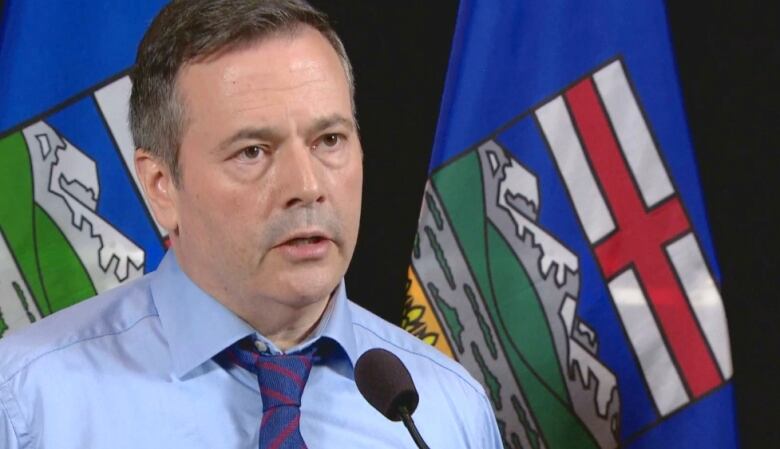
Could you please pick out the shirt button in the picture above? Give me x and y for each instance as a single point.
(260, 346)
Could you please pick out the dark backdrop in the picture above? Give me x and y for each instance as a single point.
(727, 57)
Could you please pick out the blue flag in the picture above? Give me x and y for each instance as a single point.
(72, 220)
(563, 254)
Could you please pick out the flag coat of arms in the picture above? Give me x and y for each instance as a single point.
(72, 220)
(562, 253)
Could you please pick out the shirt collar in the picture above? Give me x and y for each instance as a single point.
(198, 327)
(336, 325)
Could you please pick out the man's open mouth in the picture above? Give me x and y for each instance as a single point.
(305, 241)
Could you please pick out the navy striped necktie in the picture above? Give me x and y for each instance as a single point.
(281, 379)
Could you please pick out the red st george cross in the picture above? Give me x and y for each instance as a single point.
(639, 240)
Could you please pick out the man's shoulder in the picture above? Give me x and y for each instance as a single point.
(109, 313)
(373, 331)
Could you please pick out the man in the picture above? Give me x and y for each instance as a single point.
(249, 154)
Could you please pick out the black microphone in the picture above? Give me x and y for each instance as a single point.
(386, 384)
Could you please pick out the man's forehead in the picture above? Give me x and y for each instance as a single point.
(270, 51)
(236, 80)
(240, 96)
(282, 63)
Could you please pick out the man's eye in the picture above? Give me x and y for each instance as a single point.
(252, 152)
(332, 140)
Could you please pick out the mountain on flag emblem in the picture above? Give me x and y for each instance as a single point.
(585, 338)
(71, 219)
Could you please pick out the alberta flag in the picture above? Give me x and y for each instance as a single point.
(563, 254)
(72, 219)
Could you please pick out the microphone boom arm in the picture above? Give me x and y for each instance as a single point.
(406, 417)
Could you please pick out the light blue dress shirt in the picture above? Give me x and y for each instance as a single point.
(133, 368)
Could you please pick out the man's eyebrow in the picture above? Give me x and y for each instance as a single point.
(323, 123)
(267, 133)
(251, 133)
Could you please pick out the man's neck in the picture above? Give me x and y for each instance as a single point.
(285, 327)
(286, 323)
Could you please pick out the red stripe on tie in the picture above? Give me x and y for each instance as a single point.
(639, 240)
(267, 415)
(282, 370)
(278, 396)
(285, 433)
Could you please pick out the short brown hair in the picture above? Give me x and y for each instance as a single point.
(191, 30)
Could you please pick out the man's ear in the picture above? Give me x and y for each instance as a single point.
(159, 188)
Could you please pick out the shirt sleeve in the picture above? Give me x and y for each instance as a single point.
(491, 437)
(10, 421)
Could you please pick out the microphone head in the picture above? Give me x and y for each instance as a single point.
(385, 382)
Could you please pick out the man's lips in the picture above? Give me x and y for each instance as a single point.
(298, 241)
(303, 246)
(304, 238)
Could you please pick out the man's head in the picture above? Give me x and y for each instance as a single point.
(188, 31)
(248, 151)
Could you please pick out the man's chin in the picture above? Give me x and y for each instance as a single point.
(302, 291)
(307, 297)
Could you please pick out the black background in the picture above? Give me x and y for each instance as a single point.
(727, 58)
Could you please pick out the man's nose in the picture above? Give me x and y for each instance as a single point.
(301, 174)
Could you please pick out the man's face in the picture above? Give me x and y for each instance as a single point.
(268, 207)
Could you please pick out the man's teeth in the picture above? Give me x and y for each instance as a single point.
(305, 241)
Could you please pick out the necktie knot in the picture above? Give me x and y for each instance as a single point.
(281, 377)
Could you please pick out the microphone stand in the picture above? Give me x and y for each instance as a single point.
(406, 417)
